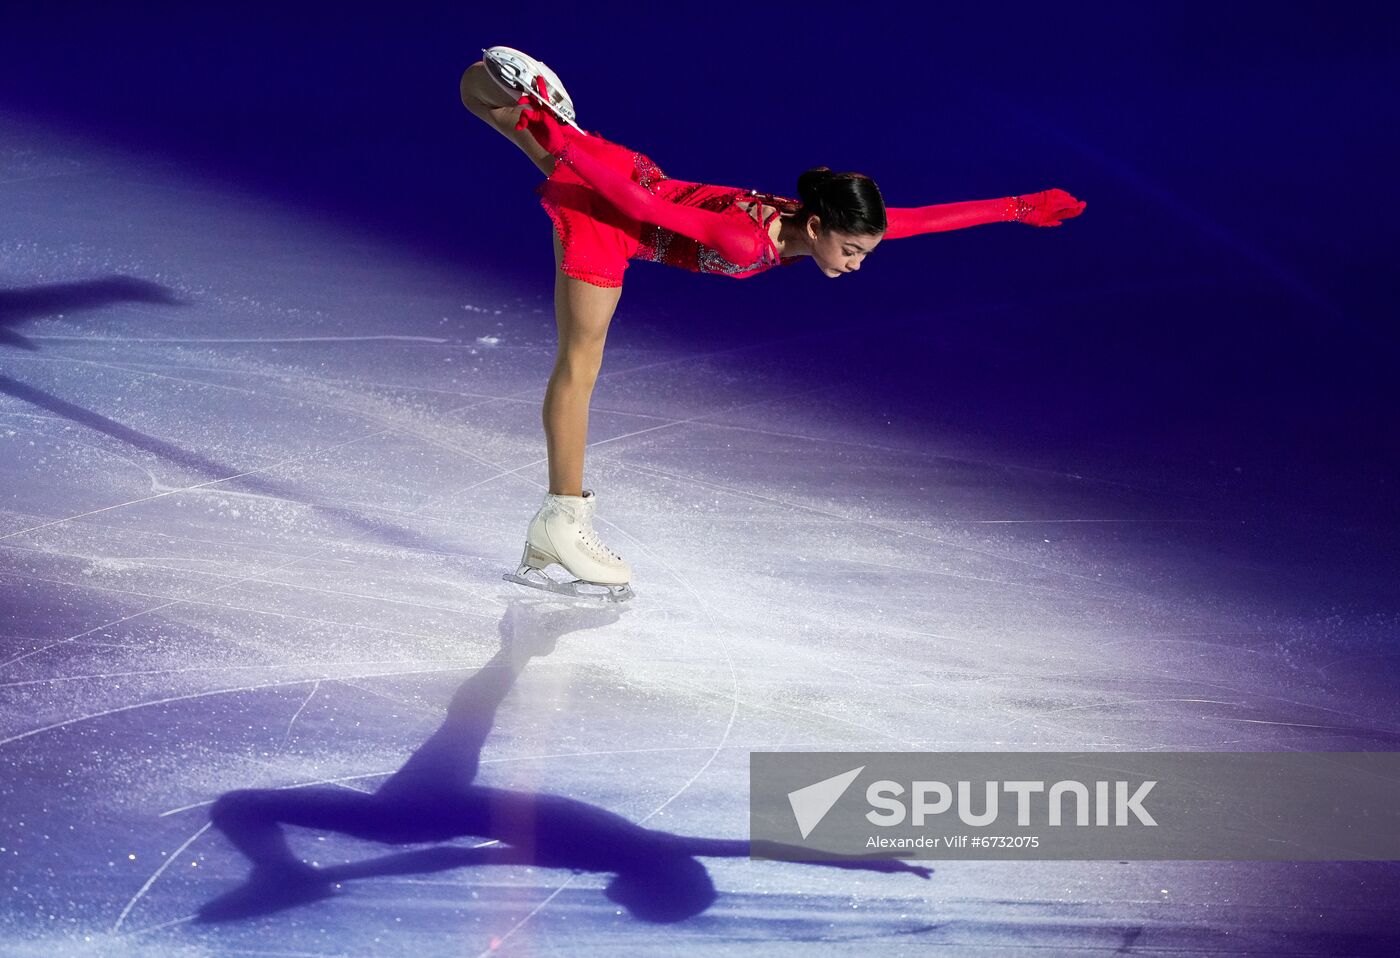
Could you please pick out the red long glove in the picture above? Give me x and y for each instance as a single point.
(1046, 208)
(540, 122)
(728, 235)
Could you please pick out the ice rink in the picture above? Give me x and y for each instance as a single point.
(261, 475)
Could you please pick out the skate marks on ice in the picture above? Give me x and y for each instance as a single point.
(255, 485)
(253, 482)
(214, 473)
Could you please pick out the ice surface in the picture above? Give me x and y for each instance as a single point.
(261, 477)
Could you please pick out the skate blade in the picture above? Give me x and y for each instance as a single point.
(577, 588)
(510, 74)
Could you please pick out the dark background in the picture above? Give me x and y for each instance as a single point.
(1223, 307)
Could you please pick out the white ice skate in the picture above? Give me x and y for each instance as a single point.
(562, 534)
(515, 73)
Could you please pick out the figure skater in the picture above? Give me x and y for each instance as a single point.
(434, 798)
(610, 204)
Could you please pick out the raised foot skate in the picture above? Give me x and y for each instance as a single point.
(532, 573)
(519, 73)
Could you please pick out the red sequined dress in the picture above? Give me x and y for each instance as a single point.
(598, 239)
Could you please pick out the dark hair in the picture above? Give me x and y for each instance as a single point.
(845, 202)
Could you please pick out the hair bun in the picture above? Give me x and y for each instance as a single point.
(813, 179)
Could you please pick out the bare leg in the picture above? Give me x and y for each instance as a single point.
(485, 99)
(582, 312)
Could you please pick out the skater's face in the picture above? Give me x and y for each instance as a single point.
(839, 253)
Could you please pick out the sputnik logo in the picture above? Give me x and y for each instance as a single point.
(810, 804)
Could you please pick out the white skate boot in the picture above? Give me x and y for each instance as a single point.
(515, 73)
(562, 534)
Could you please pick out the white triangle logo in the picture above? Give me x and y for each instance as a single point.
(810, 804)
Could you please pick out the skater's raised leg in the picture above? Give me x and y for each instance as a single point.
(485, 99)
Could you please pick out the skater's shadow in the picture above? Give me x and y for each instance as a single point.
(433, 798)
(19, 306)
(229, 477)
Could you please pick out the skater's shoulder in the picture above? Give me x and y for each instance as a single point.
(763, 207)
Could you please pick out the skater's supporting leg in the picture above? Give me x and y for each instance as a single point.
(485, 99)
(582, 312)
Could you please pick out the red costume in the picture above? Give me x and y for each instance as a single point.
(611, 204)
(599, 238)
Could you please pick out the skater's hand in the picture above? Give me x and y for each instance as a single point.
(920, 870)
(1049, 208)
(891, 866)
(539, 121)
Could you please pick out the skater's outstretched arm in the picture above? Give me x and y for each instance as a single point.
(1046, 208)
(742, 848)
(733, 238)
